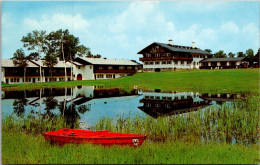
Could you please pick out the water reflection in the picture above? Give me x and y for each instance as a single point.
(90, 103)
(167, 103)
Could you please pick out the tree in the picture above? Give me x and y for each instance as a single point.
(66, 46)
(241, 54)
(208, 50)
(250, 54)
(50, 61)
(36, 41)
(231, 55)
(220, 54)
(20, 60)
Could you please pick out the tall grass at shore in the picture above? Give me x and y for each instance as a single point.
(236, 122)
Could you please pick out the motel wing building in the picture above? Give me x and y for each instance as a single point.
(163, 57)
(80, 69)
(12, 74)
(102, 68)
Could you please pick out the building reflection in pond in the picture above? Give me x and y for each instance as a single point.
(91, 103)
(158, 104)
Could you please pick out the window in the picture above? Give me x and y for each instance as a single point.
(38, 79)
(167, 54)
(129, 67)
(146, 63)
(100, 67)
(110, 67)
(18, 80)
(109, 76)
(169, 98)
(122, 67)
(167, 106)
(148, 104)
(100, 76)
(169, 62)
(90, 67)
(157, 105)
(151, 63)
(157, 62)
(182, 62)
(157, 97)
(163, 62)
(148, 55)
(151, 97)
(146, 97)
(78, 67)
(12, 80)
(163, 98)
(157, 55)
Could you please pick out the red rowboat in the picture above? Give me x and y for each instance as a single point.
(64, 136)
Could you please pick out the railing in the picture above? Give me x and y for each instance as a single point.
(165, 58)
(114, 71)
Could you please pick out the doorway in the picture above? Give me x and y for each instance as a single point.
(79, 77)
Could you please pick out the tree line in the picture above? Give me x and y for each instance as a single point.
(221, 54)
(49, 47)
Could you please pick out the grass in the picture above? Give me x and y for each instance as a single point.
(173, 140)
(237, 121)
(22, 148)
(210, 81)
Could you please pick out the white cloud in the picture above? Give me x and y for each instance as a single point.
(57, 21)
(230, 27)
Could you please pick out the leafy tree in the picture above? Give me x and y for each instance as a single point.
(50, 61)
(21, 60)
(208, 50)
(241, 54)
(250, 54)
(220, 54)
(231, 55)
(66, 46)
(19, 106)
(36, 41)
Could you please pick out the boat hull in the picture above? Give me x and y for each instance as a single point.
(65, 136)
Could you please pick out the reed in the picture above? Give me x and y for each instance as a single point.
(236, 122)
(34, 124)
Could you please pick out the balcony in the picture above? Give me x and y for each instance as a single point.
(165, 58)
(114, 71)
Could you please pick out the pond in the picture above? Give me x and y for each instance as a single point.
(88, 104)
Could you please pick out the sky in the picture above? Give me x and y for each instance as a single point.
(120, 29)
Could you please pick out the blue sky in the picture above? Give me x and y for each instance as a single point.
(119, 29)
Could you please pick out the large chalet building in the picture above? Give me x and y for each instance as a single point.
(162, 57)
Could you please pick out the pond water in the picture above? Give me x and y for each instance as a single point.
(88, 104)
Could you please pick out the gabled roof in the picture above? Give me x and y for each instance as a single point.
(176, 48)
(60, 64)
(9, 63)
(102, 61)
(223, 59)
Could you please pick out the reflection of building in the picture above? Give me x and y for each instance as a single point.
(162, 57)
(12, 74)
(95, 94)
(165, 104)
(102, 68)
(221, 97)
(224, 63)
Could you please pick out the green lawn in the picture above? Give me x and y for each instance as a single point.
(221, 81)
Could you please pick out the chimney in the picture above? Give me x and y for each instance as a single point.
(170, 42)
(193, 44)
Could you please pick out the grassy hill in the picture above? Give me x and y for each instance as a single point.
(221, 81)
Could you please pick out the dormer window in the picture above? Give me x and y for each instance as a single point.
(148, 55)
(157, 55)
